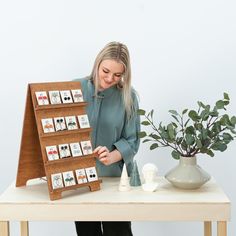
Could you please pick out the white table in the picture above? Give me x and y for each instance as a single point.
(31, 203)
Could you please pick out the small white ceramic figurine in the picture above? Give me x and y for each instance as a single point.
(149, 172)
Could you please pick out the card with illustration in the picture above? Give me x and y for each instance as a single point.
(52, 153)
(91, 174)
(66, 96)
(83, 121)
(69, 178)
(54, 97)
(86, 147)
(42, 98)
(47, 125)
(57, 181)
(64, 150)
(60, 123)
(77, 95)
(76, 149)
(81, 176)
(71, 122)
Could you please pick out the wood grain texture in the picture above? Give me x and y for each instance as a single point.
(33, 161)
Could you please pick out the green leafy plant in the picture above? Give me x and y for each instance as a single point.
(191, 132)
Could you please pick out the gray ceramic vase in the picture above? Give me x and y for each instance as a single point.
(187, 175)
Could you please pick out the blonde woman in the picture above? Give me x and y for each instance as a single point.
(112, 111)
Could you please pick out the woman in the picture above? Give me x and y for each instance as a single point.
(112, 111)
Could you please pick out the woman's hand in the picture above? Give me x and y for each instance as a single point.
(107, 157)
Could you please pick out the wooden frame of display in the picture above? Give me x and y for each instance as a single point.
(33, 160)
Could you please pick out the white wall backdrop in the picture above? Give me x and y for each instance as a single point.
(181, 51)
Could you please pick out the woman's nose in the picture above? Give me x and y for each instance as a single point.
(110, 77)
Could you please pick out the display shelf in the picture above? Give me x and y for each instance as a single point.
(34, 161)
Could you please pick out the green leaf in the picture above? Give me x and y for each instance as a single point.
(226, 103)
(186, 122)
(153, 146)
(198, 126)
(220, 104)
(173, 112)
(226, 96)
(233, 120)
(141, 112)
(151, 113)
(145, 123)
(227, 138)
(142, 134)
(189, 139)
(184, 111)
(193, 115)
(171, 131)
(175, 155)
(219, 146)
(146, 140)
(190, 130)
(214, 113)
(154, 136)
(175, 118)
(174, 124)
(210, 153)
(204, 114)
(199, 143)
(200, 104)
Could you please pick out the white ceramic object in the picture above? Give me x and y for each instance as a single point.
(187, 174)
(124, 180)
(149, 172)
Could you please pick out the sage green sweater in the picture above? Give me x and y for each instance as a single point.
(110, 127)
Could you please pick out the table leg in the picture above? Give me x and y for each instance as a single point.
(207, 228)
(24, 228)
(4, 228)
(221, 228)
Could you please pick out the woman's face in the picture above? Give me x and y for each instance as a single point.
(109, 73)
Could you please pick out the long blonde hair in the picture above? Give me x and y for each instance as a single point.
(120, 53)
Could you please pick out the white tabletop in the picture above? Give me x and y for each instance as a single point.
(167, 203)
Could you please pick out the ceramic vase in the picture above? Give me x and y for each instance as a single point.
(187, 174)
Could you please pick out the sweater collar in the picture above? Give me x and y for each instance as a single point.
(102, 94)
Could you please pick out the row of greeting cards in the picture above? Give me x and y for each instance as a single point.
(58, 97)
(65, 179)
(65, 123)
(69, 150)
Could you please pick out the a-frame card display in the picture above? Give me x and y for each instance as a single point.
(56, 139)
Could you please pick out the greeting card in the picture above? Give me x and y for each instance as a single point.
(77, 95)
(42, 98)
(52, 153)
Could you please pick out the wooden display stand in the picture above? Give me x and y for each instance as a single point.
(33, 161)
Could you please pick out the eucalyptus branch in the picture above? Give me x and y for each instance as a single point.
(200, 133)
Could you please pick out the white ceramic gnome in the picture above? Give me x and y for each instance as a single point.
(124, 180)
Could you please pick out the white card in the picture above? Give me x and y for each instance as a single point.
(71, 122)
(86, 147)
(54, 97)
(57, 181)
(81, 176)
(60, 123)
(91, 174)
(69, 178)
(83, 121)
(48, 126)
(66, 96)
(77, 95)
(64, 150)
(75, 149)
(42, 98)
(52, 153)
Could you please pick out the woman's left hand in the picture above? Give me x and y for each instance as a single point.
(107, 157)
